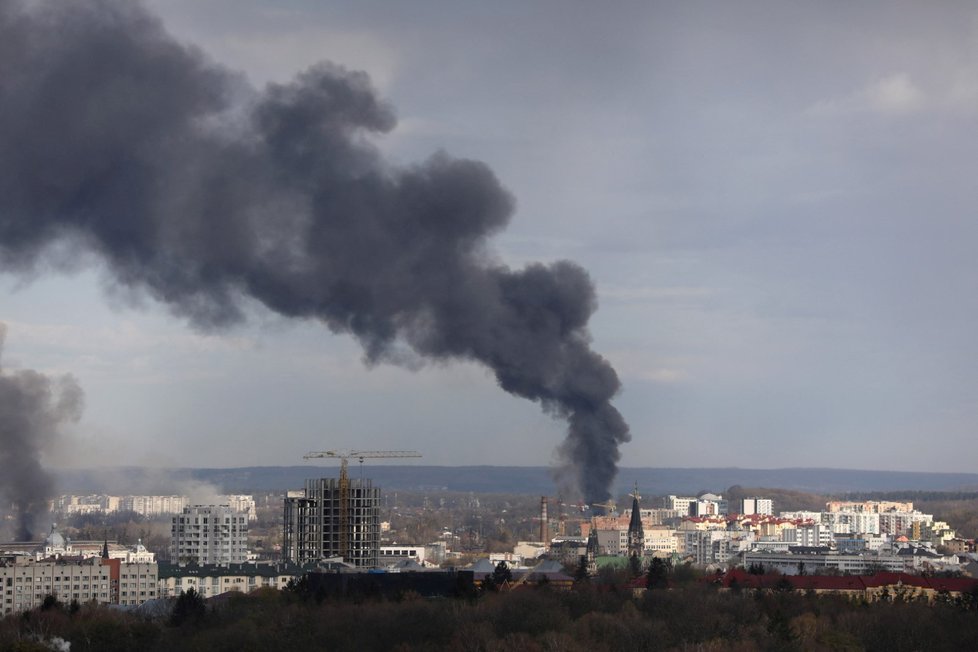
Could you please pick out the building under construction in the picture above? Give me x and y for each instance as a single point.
(333, 518)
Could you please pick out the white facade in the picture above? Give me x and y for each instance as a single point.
(660, 540)
(853, 522)
(715, 546)
(792, 564)
(811, 535)
(392, 554)
(154, 505)
(209, 534)
(242, 503)
(210, 581)
(680, 503)
(144, 505)
(750, 506)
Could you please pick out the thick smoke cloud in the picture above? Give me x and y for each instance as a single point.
(202, 192)
(32, 407)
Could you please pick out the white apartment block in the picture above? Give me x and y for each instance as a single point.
(868, 506)
(144, 505)
(154, 505)
(209, 534)
(680, 503)
(242, 503)
(715, 546)
(755, 505)
(852, 522)
(711, 505)
(810, 535)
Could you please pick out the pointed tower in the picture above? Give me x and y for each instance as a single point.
(105, 546)
(636, 534)
(592, 552)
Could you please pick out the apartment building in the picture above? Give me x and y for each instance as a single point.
(26, 582)
(209, 534)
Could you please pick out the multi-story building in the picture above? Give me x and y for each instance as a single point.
(756, 505)
(209, 534)
(325, 521)
(154, 505)
(709, 505)
(660, 540)
(26, 582)
(868, 506)
(811, 535)
(212, 579)
(242, 503)
(145, 505)
(797, 563)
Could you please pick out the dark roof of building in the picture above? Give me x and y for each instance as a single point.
(167, 570)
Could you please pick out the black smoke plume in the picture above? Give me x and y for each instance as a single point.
(32, 407)
(202, 192)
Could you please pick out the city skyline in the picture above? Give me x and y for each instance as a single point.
(772, 202)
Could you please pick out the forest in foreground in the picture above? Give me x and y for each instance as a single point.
(596, 615)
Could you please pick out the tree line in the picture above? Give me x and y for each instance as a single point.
(679, 612)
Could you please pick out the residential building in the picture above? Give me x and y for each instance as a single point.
(154, 505)
(209, 534)
(749, 506)
(810, 562)
(26, 582)
(210, 580)
(680, 504)
(709, 505)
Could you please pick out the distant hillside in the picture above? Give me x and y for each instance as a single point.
(507, 479)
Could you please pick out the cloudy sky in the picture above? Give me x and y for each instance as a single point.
(775, 201)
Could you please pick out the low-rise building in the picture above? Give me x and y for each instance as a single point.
(209, 580)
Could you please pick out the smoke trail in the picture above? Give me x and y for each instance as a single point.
(201, 191)
(32, 407)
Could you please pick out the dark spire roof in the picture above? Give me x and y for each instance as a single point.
(635, 524)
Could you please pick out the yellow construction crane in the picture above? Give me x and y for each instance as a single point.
(609, 505)
(344, 457)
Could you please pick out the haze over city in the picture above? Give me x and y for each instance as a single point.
(774, 203)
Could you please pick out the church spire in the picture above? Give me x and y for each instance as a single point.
(636, 534)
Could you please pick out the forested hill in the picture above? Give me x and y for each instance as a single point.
(507, 479)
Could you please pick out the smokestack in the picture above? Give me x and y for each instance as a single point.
(32, 407)
(544, 523)
(117, 140)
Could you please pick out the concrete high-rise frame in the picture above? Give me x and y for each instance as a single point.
(313, 527)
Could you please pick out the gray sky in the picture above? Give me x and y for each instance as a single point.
(775, 201)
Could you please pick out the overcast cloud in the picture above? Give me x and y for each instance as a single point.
(775, 201)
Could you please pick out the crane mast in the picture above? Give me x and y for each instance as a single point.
(344, 483)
